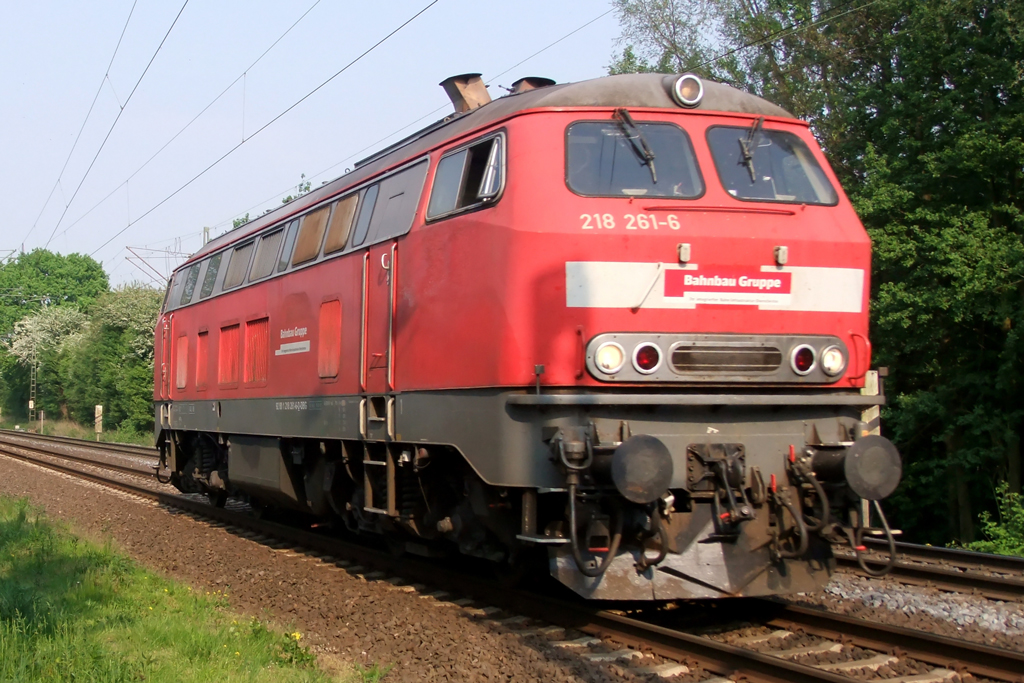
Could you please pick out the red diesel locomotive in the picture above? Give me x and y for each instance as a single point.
(621, 322)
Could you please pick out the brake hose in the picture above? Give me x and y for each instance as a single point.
(858, 547)
(801, 529)
(822, 498)
(613, 546)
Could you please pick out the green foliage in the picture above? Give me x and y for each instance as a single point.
(92, 346)
(71, 610)
(239, 222)
(26, 284)
(302, 188)
(920, 108)
(1004, 536)
(113, 364)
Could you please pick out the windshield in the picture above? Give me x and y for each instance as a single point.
(768, 165)
(603, 161)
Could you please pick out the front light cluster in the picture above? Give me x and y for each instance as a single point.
(610, 358)
(804, 359)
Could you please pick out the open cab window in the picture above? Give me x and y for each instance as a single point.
(468, 178)
(611, 159)
(761, 165)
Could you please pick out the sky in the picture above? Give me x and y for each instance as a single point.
(120, 186)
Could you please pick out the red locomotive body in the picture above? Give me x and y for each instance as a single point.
(623, 321)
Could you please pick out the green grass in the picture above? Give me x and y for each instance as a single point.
(77, 431)
(71, 610)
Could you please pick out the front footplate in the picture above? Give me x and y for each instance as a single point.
(701, 565)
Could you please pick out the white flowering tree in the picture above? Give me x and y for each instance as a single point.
(54, 328)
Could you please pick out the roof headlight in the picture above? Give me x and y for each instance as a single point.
(688, 90)
(833, 361)
(609, 358)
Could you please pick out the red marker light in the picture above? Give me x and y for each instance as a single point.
(646, 358)
(802, 359)
(772, 484)
(792, 453)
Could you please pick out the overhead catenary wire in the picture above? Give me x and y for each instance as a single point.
(424, 116)
(194, 118)
(268, 123)
(74, 145)
(114, 124)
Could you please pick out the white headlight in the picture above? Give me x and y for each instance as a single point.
(833, 361)
(609, 358)
(688, 90)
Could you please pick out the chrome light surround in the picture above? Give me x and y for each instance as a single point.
(682, 90)
(622, 357)
(831, 369)
(792, 359)
(657, 366)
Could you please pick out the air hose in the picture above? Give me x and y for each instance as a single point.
(613, 545)
(801, 528)
(858, 547)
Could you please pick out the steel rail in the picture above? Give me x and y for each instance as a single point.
(713, 656)
(147, 472)
(141, 451)
(953, 556)
(990, 586)
(951, 653)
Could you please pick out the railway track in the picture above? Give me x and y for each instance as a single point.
(993, 576)
(144, 462)
(610, 635)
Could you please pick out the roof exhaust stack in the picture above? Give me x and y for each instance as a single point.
(466, 91)
(530, 83)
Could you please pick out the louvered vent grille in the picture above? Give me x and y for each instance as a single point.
(227, 355)
(257, 350)
(725, 359)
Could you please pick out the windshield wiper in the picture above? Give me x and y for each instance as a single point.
(748, 146)
(637, 140)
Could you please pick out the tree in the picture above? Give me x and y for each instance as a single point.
(302, 188)
(27, 283)
(920, 108)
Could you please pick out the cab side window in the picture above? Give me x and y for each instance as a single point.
(468, 178)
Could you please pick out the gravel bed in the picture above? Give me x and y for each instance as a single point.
(344, 617)
(956, 615)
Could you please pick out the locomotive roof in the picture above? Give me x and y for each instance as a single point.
(623, 90)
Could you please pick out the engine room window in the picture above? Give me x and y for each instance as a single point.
(611, 159)
(311, 235)
(181, 362)
(768, 166)
(467, 178)
(237, 266)
(289, 242)
(365, 214)
(190, 284)
(210, 279)
(266, 255)
(341, 223)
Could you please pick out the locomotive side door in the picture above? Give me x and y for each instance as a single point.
(166, 335)
(377, 371)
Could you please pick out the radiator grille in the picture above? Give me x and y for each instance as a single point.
(704, 359)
